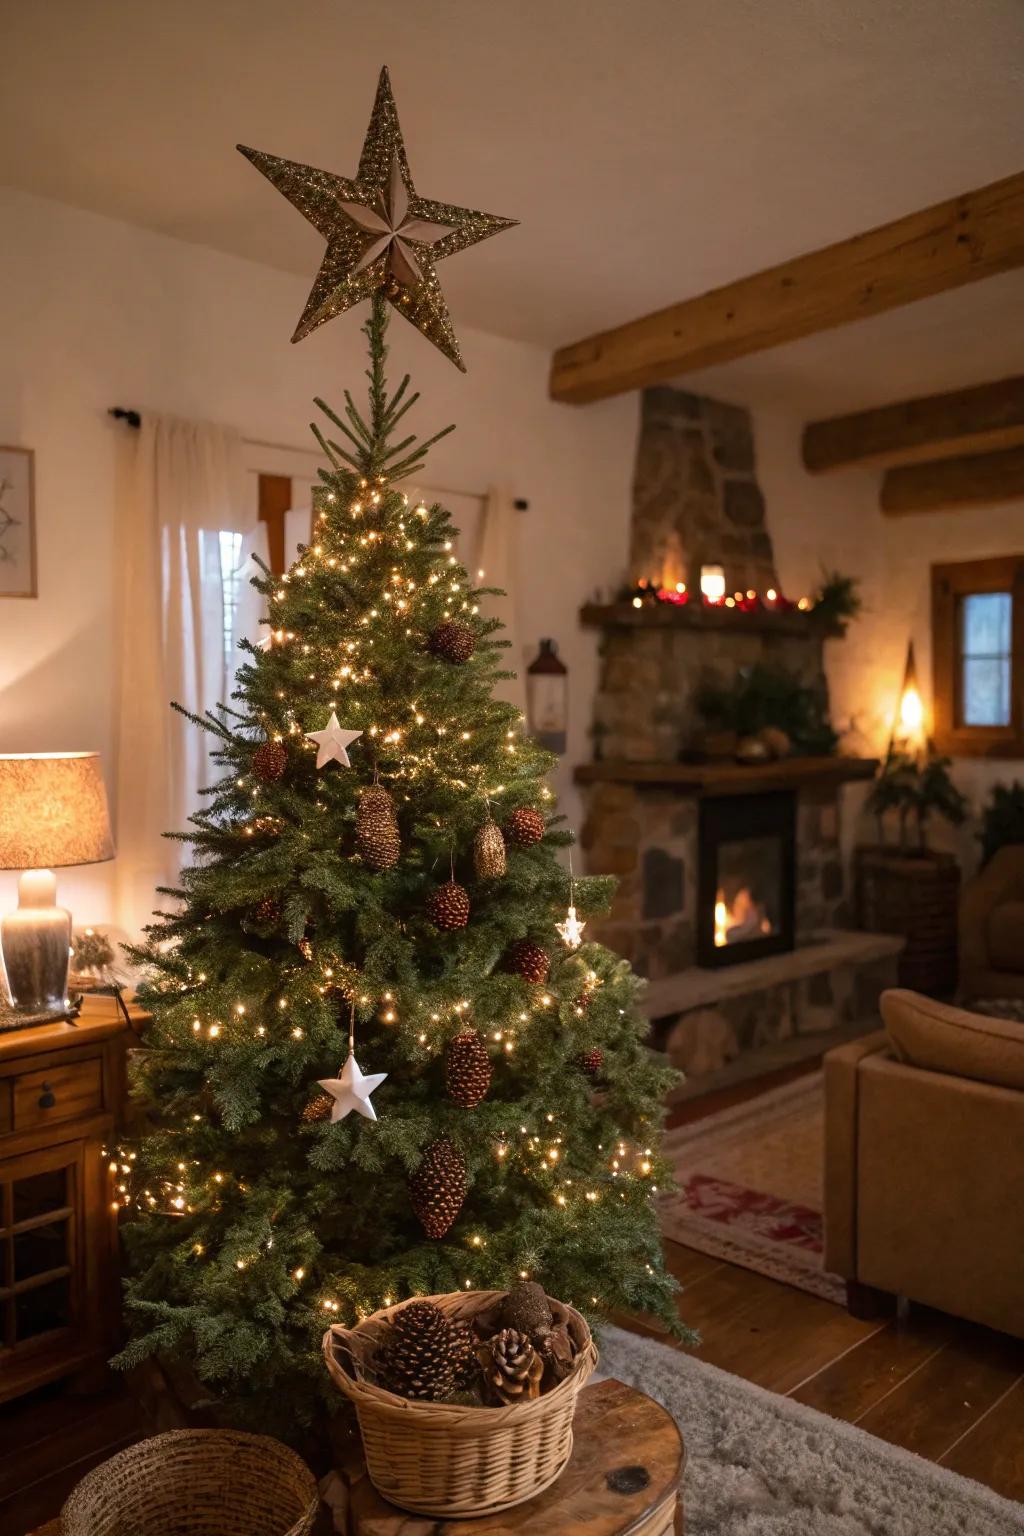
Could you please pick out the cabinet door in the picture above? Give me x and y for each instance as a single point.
(42, 1254)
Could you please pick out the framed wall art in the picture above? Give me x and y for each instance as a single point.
(17, 523)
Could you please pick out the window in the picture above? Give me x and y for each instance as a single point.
(978, 651)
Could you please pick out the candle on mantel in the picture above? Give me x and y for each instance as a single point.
(712, 583)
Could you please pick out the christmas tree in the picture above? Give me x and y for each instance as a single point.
(384, 1061)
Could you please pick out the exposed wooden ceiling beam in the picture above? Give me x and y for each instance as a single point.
(962, 422)
(974, 481)
(959, 241)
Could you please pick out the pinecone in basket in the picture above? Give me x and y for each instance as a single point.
(525, 826)
(489, 859)
(437, 1188)
(377, 836)
(528, 960)
(269, 761)
(467, 1069)
(418, 1358)
(526, 1309)
(512, 1367)
(452, 641)
(464, 1360)
(448, 906)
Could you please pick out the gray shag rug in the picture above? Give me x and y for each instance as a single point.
(762, 1465)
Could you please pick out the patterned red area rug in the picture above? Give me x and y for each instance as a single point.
(750, 1187)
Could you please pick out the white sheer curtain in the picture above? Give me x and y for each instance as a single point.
(182, 521)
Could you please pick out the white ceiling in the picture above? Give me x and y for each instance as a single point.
(652, 148)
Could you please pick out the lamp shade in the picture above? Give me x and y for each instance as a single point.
(53, 810)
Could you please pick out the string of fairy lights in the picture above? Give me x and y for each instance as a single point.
(438, 750)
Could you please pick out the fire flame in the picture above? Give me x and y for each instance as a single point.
(739, 920)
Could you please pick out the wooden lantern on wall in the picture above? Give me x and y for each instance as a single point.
(547, 698)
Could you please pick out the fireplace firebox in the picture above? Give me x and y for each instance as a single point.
(746, 877)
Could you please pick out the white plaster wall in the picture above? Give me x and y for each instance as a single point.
(95, 313)
(835, 520)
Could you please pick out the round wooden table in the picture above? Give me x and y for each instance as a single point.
(624, 1479)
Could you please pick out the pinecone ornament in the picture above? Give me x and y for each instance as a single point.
(452, 641)
(378, 840)
(528, 960)
(489, 859)
(438, 1187)
(448, 906)
(418, 1358)
(525, 826)
(269, 761)
(467, 1070)
(591, 1063)
(318, 1108)
(267, 912)
(512, 1366)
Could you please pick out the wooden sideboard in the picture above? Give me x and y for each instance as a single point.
(62, 1100)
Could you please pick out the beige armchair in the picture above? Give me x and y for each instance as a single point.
(924, 1162)
(992, 928)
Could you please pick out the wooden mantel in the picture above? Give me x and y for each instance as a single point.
(708, 616)
(958, 241)
(731, 778)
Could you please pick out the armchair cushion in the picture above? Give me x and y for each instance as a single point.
(1006, 936)
(940, 1038)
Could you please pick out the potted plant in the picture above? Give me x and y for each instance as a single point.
(1002, 819)
(907, 887)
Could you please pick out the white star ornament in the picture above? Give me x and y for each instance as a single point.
(333, 743)
(351, 1091)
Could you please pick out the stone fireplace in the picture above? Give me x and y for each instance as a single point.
(726, 868)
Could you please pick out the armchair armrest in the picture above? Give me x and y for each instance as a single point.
(841, 1069)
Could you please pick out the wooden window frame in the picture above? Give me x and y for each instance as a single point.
(275, 500)
(950, 583)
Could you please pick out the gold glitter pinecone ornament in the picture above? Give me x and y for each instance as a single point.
(467, 1069)
(489, 859)
(528, 960)
(318, 1108)
(452, 641)
(437, 1188)
(269, 761)
(378, 840)
(591, 1063)
(512, 1366)
(525, 826)
(418, 1358)
(448, 906)
(267, 912)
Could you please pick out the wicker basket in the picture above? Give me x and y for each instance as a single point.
(196, 1482)
(442, 1459)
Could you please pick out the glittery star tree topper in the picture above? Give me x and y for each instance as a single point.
(382, 238)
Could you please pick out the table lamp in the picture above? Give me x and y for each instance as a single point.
(53, 812)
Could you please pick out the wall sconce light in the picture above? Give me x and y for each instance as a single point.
(908, 729)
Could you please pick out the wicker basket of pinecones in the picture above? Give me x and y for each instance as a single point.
(466, 1401)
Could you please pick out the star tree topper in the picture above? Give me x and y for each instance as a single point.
(381, 237)
(351, 1091)
(333, 743)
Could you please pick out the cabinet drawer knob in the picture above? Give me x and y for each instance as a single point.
(47, 1099)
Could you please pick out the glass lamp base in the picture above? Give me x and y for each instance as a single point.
(36, 945)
